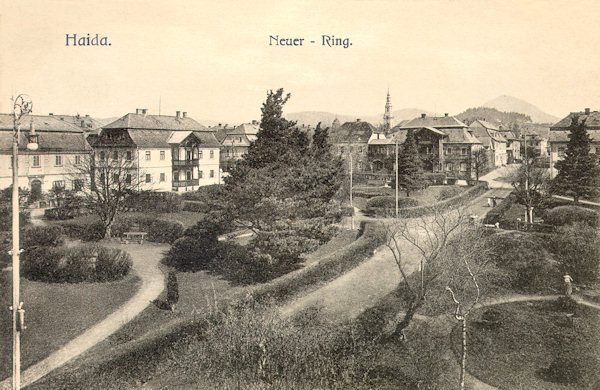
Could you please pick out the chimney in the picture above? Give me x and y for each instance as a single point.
(177, 114)
(587, 111)
(144, 111)
(82, 123)
(184, 114)
(50, 114)
(445, 114)
(219, 124)
(358, 119)
(87, 115)
(423, 115)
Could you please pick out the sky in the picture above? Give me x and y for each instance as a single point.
(213, 59)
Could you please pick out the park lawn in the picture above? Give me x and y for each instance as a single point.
(341, 240)
(187, 218)
(56, 313)
(517, 353)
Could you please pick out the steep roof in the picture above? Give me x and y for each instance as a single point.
(152, 138)
(155, 122)
(40, 123)
(485, 133)
(358, 131)
(485, 124)
(461, 136)
(432, 121)
(592, 120)
(85, 122)
(562, 136)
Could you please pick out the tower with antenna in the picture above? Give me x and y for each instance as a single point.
(387, 116)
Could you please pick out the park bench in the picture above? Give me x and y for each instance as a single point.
(138, 237)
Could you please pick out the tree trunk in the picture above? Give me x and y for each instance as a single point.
(463, 354)
(107, 230)
(530, 212)
(408, 316)
(576, 199)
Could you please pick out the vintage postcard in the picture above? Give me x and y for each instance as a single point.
(300, 194)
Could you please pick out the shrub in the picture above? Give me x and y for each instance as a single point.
(84, 231)
(567, 215)
(448, 192)
(565, 304)
(165, 231)
(42, 236)
(6, 218)
(162, 202)
(434, 178)
(172, 290)
(577, 249)
(41, 263)
(194, 206)
(112, 264)
(526, 257)
(192, 253)
(79, 264)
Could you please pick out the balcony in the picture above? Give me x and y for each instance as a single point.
(185, 163)
(185, 183)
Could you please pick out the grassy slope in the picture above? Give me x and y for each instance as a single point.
(57, 313)
(531, 335)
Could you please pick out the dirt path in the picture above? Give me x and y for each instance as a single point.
(349, 295)
(145, 265)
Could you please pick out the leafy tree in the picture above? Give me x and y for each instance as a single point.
(479, 161)
(410, 172)
(579, 172)
(283, 189)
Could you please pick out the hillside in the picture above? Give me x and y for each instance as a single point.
(492, 115)
(511, 104)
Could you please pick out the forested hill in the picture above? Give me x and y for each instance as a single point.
(492, 115)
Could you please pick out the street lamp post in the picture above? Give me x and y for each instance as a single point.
(22, 106)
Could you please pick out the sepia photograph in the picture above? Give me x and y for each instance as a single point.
(300, 194)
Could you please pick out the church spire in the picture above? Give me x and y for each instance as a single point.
(387, 116)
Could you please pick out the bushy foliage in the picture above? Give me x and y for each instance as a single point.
(527, 259)
(84, 230)
(389, 202)
(161, 202)
(567, 215)
(42, 236)
(6, 218)
(85, 263)
(449, 192)
(172, 290)
(577, 249)
(41, 263)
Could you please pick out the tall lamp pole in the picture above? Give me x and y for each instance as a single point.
(351, 205)
(396, 172)
(21, 107)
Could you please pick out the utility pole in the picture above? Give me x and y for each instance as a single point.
(396, 170)
(22, 105)
(528, 213)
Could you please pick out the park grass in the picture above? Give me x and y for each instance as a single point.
(56, 313)
(517, 353)
(187, 218)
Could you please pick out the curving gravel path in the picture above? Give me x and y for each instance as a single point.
(145, 264)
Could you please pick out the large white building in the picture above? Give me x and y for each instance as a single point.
(166, 153)
(62, 150)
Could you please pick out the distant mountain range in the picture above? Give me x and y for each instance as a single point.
(504, 103)
(512, 104)
(311, 118)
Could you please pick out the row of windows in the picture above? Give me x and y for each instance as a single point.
(148, 155)
(36, 161)
(77, 184)
(463, 151)
(359, 149)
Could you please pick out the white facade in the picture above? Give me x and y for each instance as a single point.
(44, 169)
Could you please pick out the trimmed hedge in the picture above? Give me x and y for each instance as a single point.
(324, 270)
(385, 205)
(471, 193)
(194, 206)
(158, 230)
(162, 202)
(85, 263)
(567, 215)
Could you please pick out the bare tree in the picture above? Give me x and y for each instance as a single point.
(107, 180)
(479, 161)
(420, 242)
(530, 185)
(467, 255)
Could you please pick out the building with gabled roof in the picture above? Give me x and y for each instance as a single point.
(493, 141)
(235, 143)
(167, 153)
(445, 144)
(559, 134)
(351, 141)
